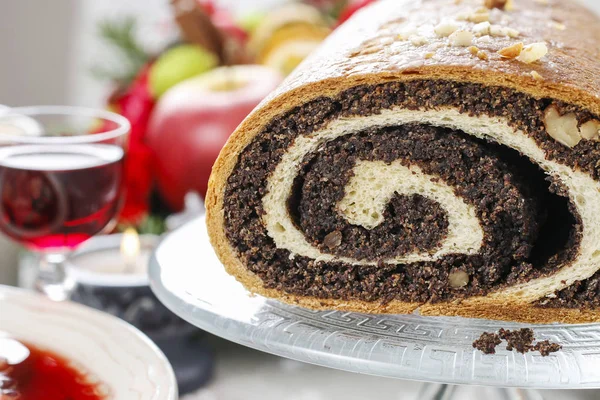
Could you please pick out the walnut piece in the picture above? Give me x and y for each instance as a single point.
(533, 52)
(503, 31)
(333, 239)
(563, 128)
(479, 16)
(512, 33)
(446, 28)
(461, 38)
(483, 55)
(512, 51)
(407, 32)
(495, 4)
(590, 130)
(418, 40)
(482, 29)
(458, 279)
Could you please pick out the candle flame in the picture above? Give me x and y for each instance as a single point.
(130, 244)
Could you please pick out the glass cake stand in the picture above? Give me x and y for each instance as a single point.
(189, 279)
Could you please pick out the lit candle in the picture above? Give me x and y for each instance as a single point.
(120, 259)
(130, 250)
(110, 274)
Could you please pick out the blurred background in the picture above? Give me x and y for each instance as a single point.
(136, 57)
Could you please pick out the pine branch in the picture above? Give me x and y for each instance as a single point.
(151, 224)
(132, 57)
(330, 8)
(121, 34)
(338, 8)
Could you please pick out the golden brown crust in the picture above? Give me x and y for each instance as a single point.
(513, 312)
(360, 52)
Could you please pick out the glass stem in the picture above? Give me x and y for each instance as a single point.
(438, 391)
(52, 279)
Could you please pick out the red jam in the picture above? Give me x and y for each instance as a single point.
(30, 373)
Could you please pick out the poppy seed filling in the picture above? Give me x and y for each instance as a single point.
(518, 207)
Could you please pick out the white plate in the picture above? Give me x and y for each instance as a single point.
(187, 277)
(109, 350)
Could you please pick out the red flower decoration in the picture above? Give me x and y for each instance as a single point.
(352, 8)
(136, 104)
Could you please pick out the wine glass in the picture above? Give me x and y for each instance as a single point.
(61, 182)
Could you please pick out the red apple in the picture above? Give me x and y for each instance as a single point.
(193, 120)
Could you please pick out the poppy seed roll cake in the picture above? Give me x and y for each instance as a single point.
(432, 155)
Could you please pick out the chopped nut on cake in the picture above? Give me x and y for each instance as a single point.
(511, 51)
(533, 52)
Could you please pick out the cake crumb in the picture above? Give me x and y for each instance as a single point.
(487, 343)
(545, 347)
(521, 340)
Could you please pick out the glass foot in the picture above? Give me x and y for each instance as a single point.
(54, 291)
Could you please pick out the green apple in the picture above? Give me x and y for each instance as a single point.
(251, 21)
(178, 64)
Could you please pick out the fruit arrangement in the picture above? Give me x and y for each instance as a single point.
(185, 102)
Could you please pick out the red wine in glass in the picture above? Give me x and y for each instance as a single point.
(58, 196)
